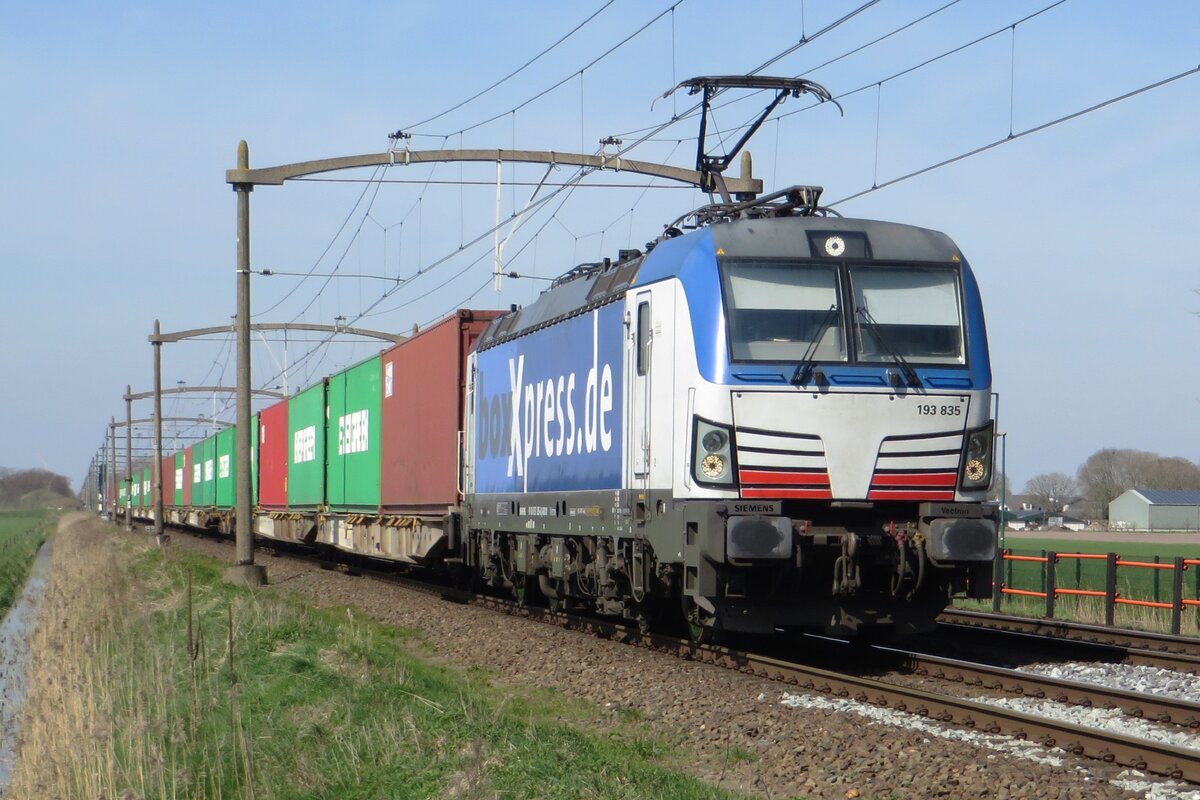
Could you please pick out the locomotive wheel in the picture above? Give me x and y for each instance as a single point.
(556, 601)
(525, 590)
(698, 623)
(644, 618)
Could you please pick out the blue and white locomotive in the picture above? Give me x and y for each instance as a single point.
(775, 419)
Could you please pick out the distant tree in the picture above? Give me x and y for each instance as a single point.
(16, 484)
(1001, 482)
(1171, 473)
(1052, 490)
(1110, 472)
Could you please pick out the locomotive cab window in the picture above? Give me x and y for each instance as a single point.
(643, 338)
(912, 312)
(783, 311)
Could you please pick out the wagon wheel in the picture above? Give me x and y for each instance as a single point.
(464, 578)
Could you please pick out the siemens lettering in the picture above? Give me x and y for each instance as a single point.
(543, 420)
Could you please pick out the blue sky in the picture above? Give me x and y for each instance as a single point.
(121, 119)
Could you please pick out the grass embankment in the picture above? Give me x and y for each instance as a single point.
(146, 688)
(1139, 583)
(21, 534)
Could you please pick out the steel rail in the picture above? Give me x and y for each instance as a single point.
(1156, 708)
(1174, 762)
(1162, 650)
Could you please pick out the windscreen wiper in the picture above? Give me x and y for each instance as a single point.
(913, 380)
(805, 367)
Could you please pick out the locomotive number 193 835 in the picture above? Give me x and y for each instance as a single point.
(931, 410)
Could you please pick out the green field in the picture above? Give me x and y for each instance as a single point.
(1136, 583)
(21, 534)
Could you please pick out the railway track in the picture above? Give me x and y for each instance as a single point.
(1161, 759)
(1179, 763)
(1180, 653)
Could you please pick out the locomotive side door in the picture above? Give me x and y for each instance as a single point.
(639, 406)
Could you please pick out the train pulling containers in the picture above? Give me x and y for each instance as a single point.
(772, 420)
(366, 461)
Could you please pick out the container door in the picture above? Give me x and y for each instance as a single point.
(640, 400)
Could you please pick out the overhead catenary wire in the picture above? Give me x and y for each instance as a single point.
(328, 247)
(515, 72)
(692, 113)
(1014, 136)
(577, 72)
(878, 83)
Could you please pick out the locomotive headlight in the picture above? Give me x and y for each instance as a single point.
(714, 440)
(713, 466)
(712, 453)
(977, 459)
(975, 470)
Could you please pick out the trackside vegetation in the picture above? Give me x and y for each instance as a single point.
(174, 684)
(21, 534)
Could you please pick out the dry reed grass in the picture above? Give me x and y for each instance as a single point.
(88, 731)
(66, 727)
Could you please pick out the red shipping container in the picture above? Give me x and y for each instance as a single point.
(273, 456)
(423, 382)
(168, 481)
(187, 477)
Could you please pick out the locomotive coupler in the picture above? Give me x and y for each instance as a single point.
(846, 578)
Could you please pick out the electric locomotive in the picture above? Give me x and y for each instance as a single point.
(776, 419)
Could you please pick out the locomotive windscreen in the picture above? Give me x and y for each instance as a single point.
(794, 311)
(783, 311)
(910, 311)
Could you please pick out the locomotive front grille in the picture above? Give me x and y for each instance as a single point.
(921, 467)
(782, 465)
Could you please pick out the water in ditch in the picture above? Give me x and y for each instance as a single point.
(15, 633)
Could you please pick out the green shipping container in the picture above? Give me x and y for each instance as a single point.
(180, 477)
(204, 473)
(147, 496)
(306, 451)
(121, 497)
(352, 440)
(226, 472)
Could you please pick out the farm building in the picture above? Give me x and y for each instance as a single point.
(1033, 519)
(1156, 510)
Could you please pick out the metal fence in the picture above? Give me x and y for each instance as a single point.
(1054, 583)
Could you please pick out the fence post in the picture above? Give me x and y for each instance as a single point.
(1157, 560)
(1043, 571)
(1110, 588)
(1078, 572)
(997, 581)
(1177, 596)
(1051, 559)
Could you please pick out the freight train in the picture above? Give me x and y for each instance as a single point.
(774, 419)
